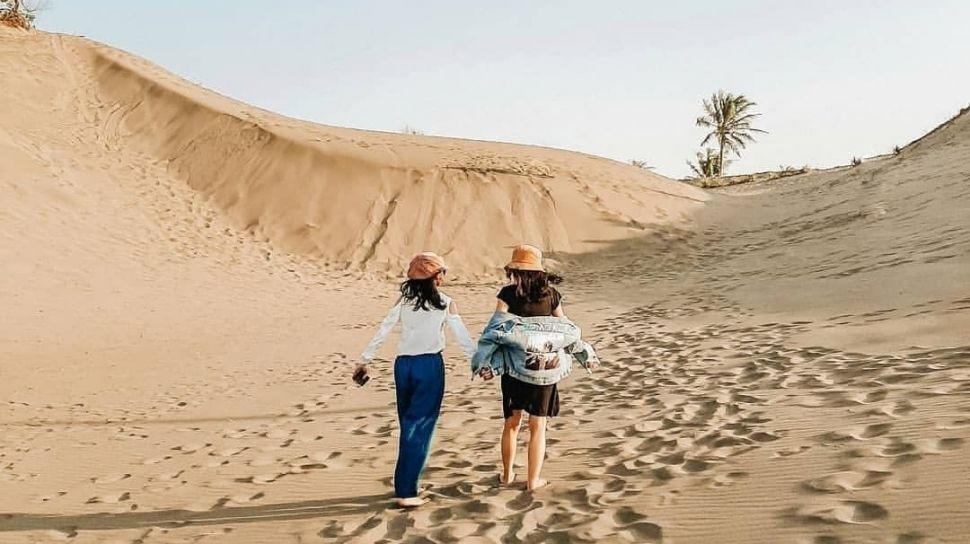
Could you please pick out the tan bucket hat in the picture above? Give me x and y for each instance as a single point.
(526, 257)
(426, 265)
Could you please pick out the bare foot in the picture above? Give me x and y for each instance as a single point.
(411, 502)
(538, 484)
(506, 482)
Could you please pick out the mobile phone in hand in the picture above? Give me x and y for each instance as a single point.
(360, 376)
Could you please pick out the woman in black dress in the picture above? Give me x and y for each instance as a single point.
(530, 294)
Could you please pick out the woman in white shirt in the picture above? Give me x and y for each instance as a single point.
(419, 370)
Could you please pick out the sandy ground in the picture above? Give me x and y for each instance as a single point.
(783, 363)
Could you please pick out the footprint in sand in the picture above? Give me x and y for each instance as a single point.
(727, 479)
(277, 434)
(113, 498)
(110, 478)
(856, 434)
(626, 522)
(191, 448)
(262, 479)
(238, 499)
(847, 481)
(229, 452)
(48, 498)
(793, 450)
(938, 445)
(845, 511)
(62, 535)
(895, 410)
(263, 461)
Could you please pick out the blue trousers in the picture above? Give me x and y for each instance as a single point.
(420, 384)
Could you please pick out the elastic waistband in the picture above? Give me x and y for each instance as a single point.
(433, 356)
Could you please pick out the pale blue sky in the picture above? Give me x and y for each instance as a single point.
(622, 79)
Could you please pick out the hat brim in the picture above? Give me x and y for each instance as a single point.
(438, 272)
(515, 265)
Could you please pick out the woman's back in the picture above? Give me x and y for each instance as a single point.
(423, 330)
(523, 307)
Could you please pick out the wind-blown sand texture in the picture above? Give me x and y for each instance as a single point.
(187, 281)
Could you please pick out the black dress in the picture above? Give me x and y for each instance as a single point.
(537, 400)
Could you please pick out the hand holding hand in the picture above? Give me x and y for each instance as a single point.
(486, 373)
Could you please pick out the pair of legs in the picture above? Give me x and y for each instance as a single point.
(419, 382)
(537, 448)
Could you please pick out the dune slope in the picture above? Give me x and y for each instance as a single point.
(352, 197)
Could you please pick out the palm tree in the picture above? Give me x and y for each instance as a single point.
(708, 164)
(729, 118)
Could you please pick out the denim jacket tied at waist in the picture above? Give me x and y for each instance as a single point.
(536, 350)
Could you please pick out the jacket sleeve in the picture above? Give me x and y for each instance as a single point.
(385, 328)
(482, 355)
(583, 353)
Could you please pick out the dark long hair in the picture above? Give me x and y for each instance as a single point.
(532, 285)
(421, 293)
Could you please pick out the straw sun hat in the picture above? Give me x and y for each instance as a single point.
(526, 257)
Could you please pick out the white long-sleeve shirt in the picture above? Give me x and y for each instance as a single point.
(422, 331)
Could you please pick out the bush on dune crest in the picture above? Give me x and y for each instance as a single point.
(707, 165)
(641, 164)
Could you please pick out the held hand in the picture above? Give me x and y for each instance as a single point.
(486, 373)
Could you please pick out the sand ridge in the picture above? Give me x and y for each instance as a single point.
(371, 199)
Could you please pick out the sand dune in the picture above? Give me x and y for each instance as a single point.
(186, 282)
(345, 196)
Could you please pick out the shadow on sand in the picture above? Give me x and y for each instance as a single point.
(368, 504)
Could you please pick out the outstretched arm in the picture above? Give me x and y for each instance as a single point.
(460, 331)
(385, 328)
